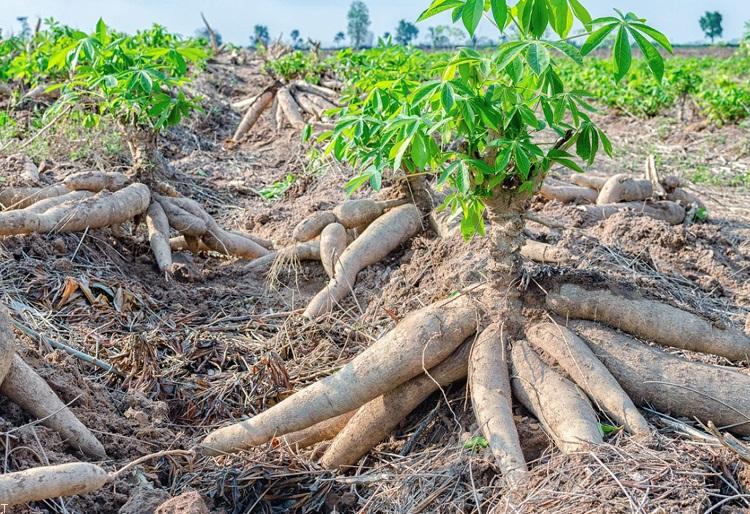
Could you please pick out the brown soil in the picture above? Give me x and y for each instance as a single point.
(197, 354)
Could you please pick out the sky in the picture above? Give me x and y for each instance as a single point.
(322, 19)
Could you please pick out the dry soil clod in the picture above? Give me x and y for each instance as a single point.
(651, 320)
(421, 340)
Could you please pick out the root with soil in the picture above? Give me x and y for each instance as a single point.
(93, 200)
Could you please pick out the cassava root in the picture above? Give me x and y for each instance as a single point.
(376, 419)
(580, 363)
(491, 398)
(45, 482)
(650, 320)
(558, 404)
(624, 188)
(420, 341)
(669, 383)
(378, 240)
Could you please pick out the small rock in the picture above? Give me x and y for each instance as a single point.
(138, 415)
(747, 325)
(189, 502)
(144, 500)
(59, 245)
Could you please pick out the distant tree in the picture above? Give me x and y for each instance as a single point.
(445, 36)
(260, 36)
(297, 42)
(386, 35)
(202, 33)
(711, 25)
(25, 28)
(339, 39)
(359, 23)
(406, 32)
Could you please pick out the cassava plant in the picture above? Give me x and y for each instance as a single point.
(487, 128)
(141, 82)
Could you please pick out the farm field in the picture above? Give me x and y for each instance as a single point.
(513, 279)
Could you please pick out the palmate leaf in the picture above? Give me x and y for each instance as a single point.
(499, 13)
(438, 6)
(596, 38)
(472, 14)
(538, 58)
(653, 58)
(622, 53)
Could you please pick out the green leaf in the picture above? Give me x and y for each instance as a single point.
(655, 35)
(568, 50)
(446, 97)
(398, 151)
(653, 58)
(463, 178)
(472, 15)
(561, 17)
(356, 183)
(539, 18)
(564, 158)
(438, 6)
(508, 52)
(596, 38)
(499, 12)
(581, 13)
(622, 54)
(420, 153)
(608, 429)
(538, 58)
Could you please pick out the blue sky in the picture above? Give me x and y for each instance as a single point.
(321, 19)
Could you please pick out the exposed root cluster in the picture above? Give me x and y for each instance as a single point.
(599, 197)
(571, 378)
(289, 103)
(91, 200)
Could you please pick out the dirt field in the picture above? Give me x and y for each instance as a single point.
(227, 341)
